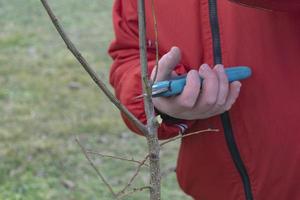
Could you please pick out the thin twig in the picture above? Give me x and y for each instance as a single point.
(188, 135)
(95, 168)
(137, 171)
(156, 41)
(117, 157)
(90, 71)
(134, 190)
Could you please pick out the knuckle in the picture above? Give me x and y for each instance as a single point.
(224, 84)
(220, 104)
(222, 75)
(223, 101)
(210, 101)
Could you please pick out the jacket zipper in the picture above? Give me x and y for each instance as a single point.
(225, 118)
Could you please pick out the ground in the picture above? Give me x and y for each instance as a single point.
(46, 100)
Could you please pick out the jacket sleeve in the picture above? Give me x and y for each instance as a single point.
(125, 71)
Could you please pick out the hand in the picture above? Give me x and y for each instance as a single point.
(215, 96)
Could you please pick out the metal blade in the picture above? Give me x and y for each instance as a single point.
(159, 91)
(154, 93)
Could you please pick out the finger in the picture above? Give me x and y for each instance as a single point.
(188, 98)
(166, 64)
(174, 106)
(174, 74)
(223, 88)
(210, 88)
(234, 92)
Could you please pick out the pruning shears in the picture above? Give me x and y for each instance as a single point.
(176, 85)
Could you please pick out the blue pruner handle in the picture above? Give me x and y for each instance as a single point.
(175, 86)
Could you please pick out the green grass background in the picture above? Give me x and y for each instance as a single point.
(46, 100)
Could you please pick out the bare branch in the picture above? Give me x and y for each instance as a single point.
(118, 158)
(134, 190)
(95, 168)
(152, 140)
(90, 71)
(137, 171)
(188, 135)
(156, 41)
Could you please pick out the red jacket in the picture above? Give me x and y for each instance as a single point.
(265, 162)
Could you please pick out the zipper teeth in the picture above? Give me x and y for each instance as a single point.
(236, 155)
(215, 30)
(225, 118)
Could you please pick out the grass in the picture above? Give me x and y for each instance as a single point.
(46, 99)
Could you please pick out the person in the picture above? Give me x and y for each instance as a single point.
(257, 155)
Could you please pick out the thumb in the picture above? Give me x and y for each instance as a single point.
(166, 64)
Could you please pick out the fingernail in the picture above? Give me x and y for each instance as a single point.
(194, 72)
(219, 68)
(174, 48)
(204, 67)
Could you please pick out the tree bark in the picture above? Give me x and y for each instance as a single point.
(153, 144)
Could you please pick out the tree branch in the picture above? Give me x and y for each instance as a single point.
(95, 168)
(90, 71)
(152, 140)
(117, 158)
(188, 135)
(134, 190)
(137, 171)
(156, 40)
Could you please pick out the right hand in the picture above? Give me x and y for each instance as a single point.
(215, 97)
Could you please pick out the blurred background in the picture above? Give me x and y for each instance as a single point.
(47, 99)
